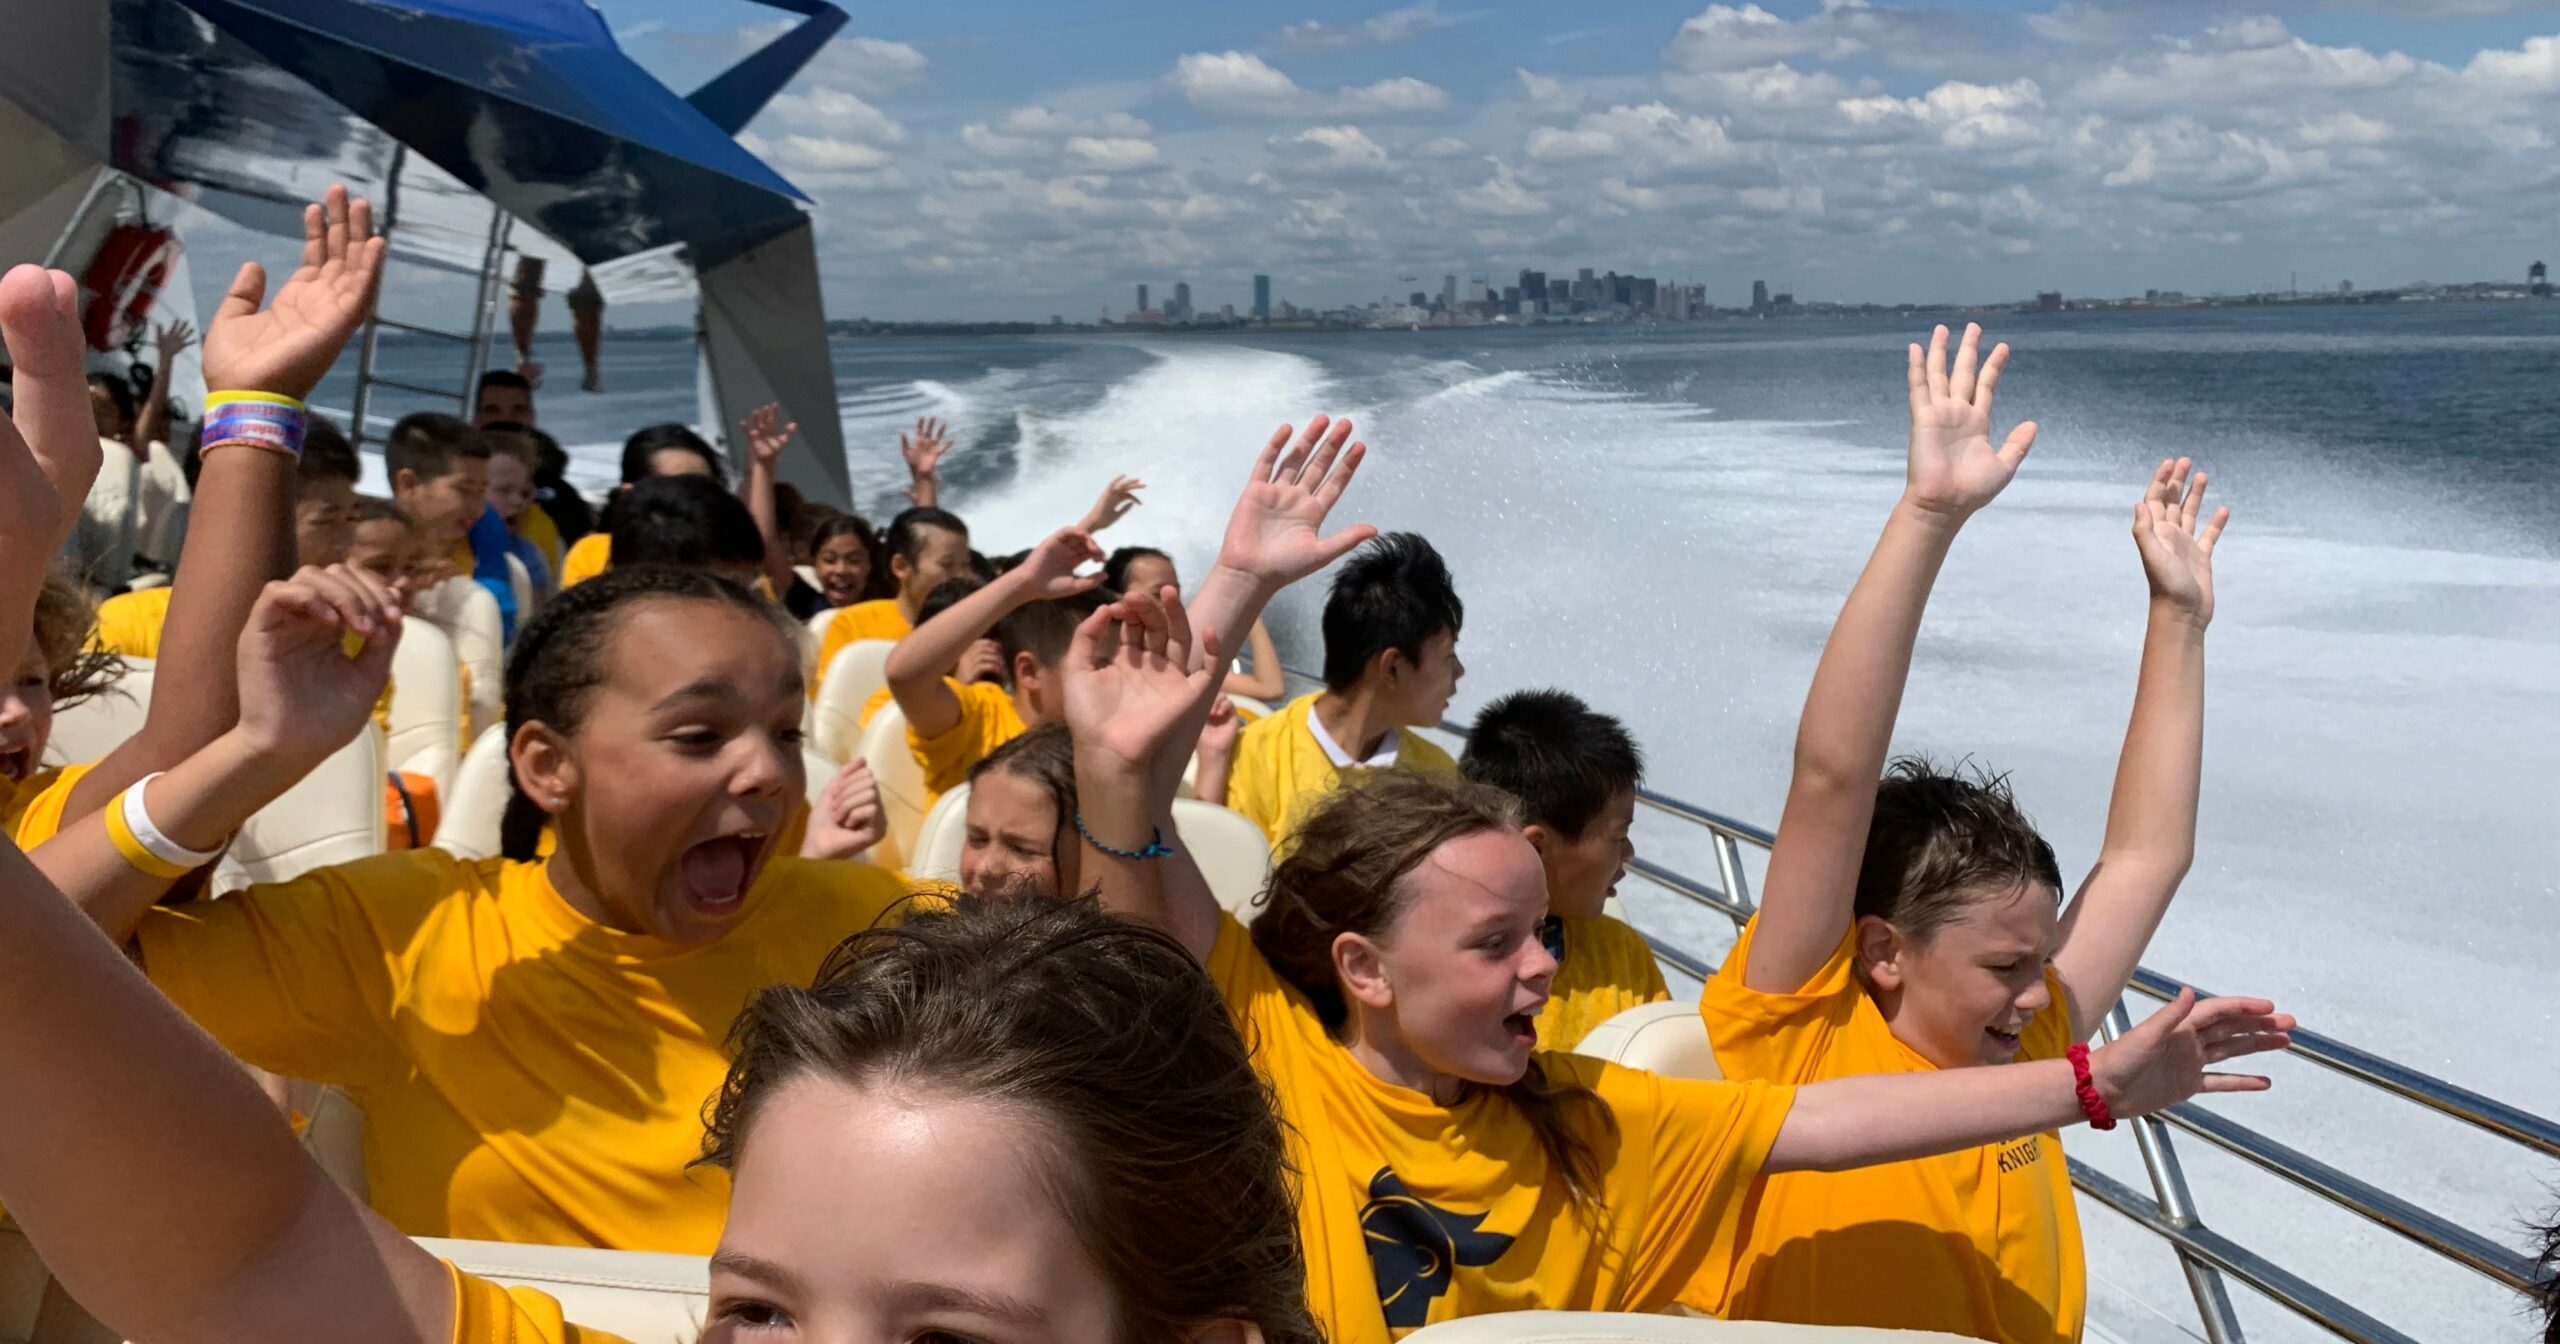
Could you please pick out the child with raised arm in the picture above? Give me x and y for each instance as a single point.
(926, 548)
(1447, 1168)
(1908, 927)
(1031, 610)
(1575, 773)
(1390, 666)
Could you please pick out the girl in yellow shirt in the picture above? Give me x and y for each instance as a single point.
(1910, 927)
(1391, 988)
(531, 1040)
(57, 670)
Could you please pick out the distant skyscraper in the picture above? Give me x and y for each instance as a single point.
(1181, 311)
(1559, 294)
(1449, 293)
(1262, 298)
(1475, 289)
(1760, 296)
(1419, 299)
(1142, 298)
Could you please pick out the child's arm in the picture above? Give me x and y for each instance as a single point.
(240, 527)
(48, 448)
(916, 667)
(1217, 755)
(1114, 504)
(923, 451)
(1857, 687)
(302, 699)
(767, 436)
(2151, 820)
(1889, 1117)
(152, 425)
(1274, 537)
(1268, 681)
(154, 1177)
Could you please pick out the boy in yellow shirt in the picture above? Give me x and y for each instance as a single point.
(927, 547)
(324, 516)
(1909, 928)
(1032, 610)
(439, 469)
(1390, 666)
(1575, 773)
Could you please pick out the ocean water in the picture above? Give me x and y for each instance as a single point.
(1666, 520)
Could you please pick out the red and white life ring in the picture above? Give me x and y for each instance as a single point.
(123, 281)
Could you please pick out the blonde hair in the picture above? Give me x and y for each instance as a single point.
(65, 621)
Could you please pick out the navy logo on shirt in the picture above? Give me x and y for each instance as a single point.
(1414, 1246)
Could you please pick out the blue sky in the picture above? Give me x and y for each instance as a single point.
(1005, 159)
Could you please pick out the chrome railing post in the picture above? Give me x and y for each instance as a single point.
(359, 416)
(1729, 870)
(2177, 1204)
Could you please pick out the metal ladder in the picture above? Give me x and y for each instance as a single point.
(475, 342)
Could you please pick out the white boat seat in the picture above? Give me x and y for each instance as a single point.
(476, 804)
(520, 582)
(1606, 1327)
(901, 781)
(835, 716)
(98, 725)
(468, 615)
(644, 1297)
(426, 706)
(332, 815)
(1665, 1038)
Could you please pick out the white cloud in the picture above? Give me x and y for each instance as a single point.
(1646, 143)
(1112, 154)
(836, 113)
(1547, 93)
(1396, 25)
(1113, 142)
(1331, 152)
(1502, 197)
(872, 63)
(1736, 37)
(1236, 83)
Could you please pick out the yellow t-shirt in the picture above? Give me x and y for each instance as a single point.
(1603, 968)
(879, 618)
(988, 720)
(872, 706)
(1983, 1243)
(1281, 772)
(526, 1075)
(33, 810)
(535, 525)
(129, 626)
(1413, 1213)
(589, 556)
(484, 1313)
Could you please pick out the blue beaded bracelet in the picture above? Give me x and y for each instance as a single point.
(1156, 847)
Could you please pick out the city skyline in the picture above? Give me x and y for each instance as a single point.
(1010, 160)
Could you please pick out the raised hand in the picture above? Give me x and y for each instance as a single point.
(847, 818)
(1051, 566)
(1224, 727)
(1954, 469)
(1117, 499)
(289, 347)
(49, 450)
(169, 342)
(1274, 536)
(923, 449)
(302, 696)
(1127, 708)
(767, 435)
(2177, 555)
(2163, 1061)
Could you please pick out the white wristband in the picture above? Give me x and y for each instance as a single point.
(161, 847)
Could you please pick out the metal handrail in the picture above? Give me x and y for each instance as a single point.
(2205, 1255)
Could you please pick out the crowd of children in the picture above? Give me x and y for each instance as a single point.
(1072, 1097)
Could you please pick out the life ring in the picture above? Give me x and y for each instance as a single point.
(123, 281)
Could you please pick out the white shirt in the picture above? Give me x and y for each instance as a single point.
(1385, 759)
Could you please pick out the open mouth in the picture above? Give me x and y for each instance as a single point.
(716, 872)
(1523, 1027)
(17, 762)
(2006, 1040)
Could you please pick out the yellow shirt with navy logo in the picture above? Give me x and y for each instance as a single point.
(880, 618)
(484, 1313)
(1282, 773)
(1412, 1213)
(588, 556)
(526, 1074)
(988, 720)
(33, 808)
(1983, 1243)
(1603, 968)
(130, 625)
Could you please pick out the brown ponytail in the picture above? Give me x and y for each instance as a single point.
(1346, 876)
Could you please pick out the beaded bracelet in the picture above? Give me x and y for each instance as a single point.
(142, 843)
(1156, 847)
(268, 420)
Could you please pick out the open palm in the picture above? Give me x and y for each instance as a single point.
(287, 348)
(2168, 1057)
(301, 693)
(1954, 469)
(924, 448)
(2177, 555)
(1276, 534)
(767, 434)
